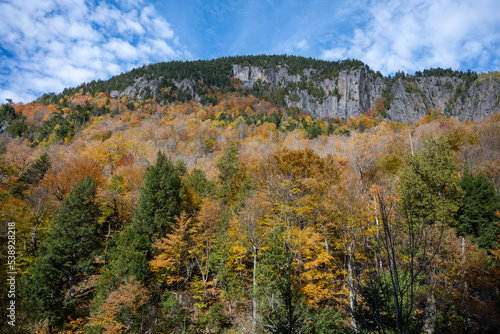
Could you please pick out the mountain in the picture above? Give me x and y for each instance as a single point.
(175, 199)
(343, 89)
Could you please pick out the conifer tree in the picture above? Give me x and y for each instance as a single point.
(159, 205)
(69, 257)
(429, 196)
(32, 176)
(477, 215)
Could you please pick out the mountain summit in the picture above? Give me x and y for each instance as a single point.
(341, 89)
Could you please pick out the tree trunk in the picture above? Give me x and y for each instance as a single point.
(430, 314)
(254, 300)
(351, 284)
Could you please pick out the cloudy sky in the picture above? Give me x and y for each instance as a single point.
(48, 45)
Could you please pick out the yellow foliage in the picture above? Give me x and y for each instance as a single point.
(52, 138)
(110, 151)
(173, 249)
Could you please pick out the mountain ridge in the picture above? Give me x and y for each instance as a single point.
(343, 89)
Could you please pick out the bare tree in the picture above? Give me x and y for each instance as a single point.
(407, 248)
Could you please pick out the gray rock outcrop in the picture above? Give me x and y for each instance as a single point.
(354, 92)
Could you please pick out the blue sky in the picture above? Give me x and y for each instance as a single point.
(48, 45)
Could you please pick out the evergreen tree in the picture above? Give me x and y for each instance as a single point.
(36, 171)
(159, 205)
(476, 216)
(288, 318)
(160, 199)
(71, 247)
(32, 176)
(198, 181)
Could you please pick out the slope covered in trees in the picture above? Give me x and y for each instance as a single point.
(344, 89)
(245, 217)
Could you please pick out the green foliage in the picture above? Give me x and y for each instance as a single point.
(17, 128)
(229, 170)
(324, 321)
(210, 76)
(391, 163)
(377, 313)
(160, 200)
(289, 317)
(476, 216)
(388, 94)
(36, 171)
(70, 251)
(174, 314)
(198, 181)
(215, 319)
(429, 186)
(56, 124)
(425, 188)
(159, 205)
(448, 72)
(313, 131)
(7, 113)
(32, 175)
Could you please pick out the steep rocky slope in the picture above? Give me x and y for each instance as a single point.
(324, 89)
(410, 97)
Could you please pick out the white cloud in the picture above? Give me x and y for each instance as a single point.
(417, 34)
(302, 45)
(53, 44)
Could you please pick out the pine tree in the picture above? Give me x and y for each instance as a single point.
(288, 318)
(36, 171)
(32, 176)
(159, 205)
(71, 247)
(476, 217)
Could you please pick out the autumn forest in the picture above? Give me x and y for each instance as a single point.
(239, 215)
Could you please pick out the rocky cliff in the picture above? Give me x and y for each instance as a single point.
(409, 97)
(352, 92)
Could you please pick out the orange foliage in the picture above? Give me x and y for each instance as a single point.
(126, 301)
(63, 177)
(19, 156)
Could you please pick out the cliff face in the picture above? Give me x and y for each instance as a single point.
(410, 98)
(354, 92)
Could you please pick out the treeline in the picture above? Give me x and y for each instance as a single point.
(245, 218)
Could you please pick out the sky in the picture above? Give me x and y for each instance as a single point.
(49, 45)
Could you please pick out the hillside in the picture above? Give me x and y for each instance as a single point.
(342, 89)
(194, 198)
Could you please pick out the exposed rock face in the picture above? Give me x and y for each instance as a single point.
(354, 92)
(3, 126)
(140, 89)
(359, 89)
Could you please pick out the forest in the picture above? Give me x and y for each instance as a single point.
(242, 216)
